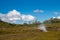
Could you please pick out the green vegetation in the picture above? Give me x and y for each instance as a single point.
(25, 31)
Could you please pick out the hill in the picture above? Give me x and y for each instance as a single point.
(10, 31)
(53, 24)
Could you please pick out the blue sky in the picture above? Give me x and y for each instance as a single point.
(50, 8)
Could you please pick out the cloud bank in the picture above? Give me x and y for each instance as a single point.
(57, 13)
(13, 16)
(57, 17)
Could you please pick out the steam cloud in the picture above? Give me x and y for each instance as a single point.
(42, 27)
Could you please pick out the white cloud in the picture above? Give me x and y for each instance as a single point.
(13, 13)
(56, 12)
(28, 17)
(58, 17)
(54, 17)
(13, 16)
(37, 10)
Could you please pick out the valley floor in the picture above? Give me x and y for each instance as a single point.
(28, 34)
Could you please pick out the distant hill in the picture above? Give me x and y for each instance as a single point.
(52, 24)
(6, 24)
(52, 20)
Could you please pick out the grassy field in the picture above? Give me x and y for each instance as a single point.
(27, 33)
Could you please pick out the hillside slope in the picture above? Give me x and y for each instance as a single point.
(23, 32)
